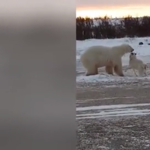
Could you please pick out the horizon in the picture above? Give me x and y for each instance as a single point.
(117, 13)
(109, 17)
(112, 9)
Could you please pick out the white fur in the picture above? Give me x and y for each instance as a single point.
(137, 64)
(100, 56)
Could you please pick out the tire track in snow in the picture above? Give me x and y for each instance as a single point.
(110, 111)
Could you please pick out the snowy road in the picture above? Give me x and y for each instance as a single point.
(113, 113)
(113, 118)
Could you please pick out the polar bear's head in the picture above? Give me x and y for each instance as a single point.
(125, 48)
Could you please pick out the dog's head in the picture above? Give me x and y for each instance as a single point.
(132, 55)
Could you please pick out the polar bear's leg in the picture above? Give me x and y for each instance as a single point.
(92, 70)
(109, 69)
(118, 68)
(118, 71)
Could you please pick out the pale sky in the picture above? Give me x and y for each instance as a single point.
(114, 8)
(25, 12)
(22, 10)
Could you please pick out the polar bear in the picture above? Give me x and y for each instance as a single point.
(102, 56)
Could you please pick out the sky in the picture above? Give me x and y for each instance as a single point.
(112, 8)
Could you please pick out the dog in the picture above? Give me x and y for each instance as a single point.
(137, 64)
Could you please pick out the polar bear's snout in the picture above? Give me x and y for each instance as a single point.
(131, 49)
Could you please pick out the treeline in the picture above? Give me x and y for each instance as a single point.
(101, 28)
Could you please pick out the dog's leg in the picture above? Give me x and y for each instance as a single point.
(142, 71)
(134, 72)
(127, 68)
(145, 72)
(145, 69)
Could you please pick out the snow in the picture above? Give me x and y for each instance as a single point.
(112, 21)
(116, 114)
(110, 106)
(113, 111)
(143, 53)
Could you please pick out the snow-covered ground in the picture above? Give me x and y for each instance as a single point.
(112, 111)
(143, 52)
